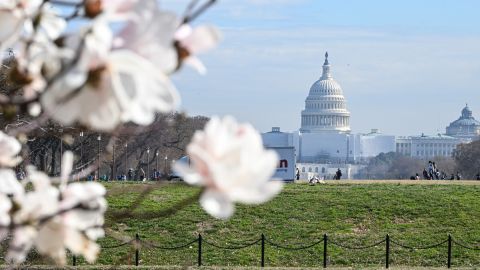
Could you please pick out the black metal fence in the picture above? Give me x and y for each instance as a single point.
(137, 243)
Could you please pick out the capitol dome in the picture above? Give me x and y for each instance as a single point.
(466, 126)
(325, 107)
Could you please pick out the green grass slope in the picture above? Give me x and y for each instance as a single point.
(351, 214)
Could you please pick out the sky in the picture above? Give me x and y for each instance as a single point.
(406, 67)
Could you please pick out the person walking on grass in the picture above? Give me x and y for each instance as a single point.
(338, 174)
(431, 170)
(425, 174)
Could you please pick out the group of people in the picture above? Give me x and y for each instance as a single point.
(131, 175)
(315, 179)
(431, 172)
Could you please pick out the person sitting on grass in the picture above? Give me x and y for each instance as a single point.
(315, 180)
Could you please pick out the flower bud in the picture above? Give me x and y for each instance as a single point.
(93, 8)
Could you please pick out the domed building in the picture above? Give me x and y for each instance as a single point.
(325, 108)
(324, 143)
(464, 127)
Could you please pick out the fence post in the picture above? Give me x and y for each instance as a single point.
(137, 252)
(325, 238)
(387, 251)
(449, 258)
(199, 250)
(74, 260)
(262, 264)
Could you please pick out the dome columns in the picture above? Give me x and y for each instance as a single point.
(323, 121)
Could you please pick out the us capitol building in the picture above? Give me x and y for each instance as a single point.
(325, 141)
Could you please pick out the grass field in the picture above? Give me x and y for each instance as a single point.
(415, 213)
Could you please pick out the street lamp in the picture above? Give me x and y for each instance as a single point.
(81, 151)
(61, 148)
(113, 162)
(148, 163)
(126, 154)
(165, 169)
(99, 138)
(156, 162)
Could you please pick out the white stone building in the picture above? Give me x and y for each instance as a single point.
(427, 147)
(325, 107)
(463, 130)
(324, 142)
(465, 127)
(325, 135)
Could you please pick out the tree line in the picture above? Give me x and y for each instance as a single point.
(465, 160)
(141, 150)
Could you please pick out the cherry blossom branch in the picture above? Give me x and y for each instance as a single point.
(198, 12)
(4, 100)
(45, 219)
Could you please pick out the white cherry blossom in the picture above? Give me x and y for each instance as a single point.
(195, 41)
(9, 184)
(230, 161)
(14, 16)
(9, 150)
(108, 88)
(159, 36)
(151, 35)
(54, 220)
(128, 88)
(33, 207)
(5, 206)
(39, 57)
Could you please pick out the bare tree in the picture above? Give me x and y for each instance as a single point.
(467, 158)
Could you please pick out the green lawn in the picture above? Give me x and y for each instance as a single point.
(352, 214)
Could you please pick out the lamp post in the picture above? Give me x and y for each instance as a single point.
(99, 138)
(148, 163)
(61, 148)
(348, 150)
(81, 151)
(165, 169)
(156, 161)
(126, 156)
(113, 162)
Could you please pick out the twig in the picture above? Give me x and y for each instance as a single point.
(198, 12)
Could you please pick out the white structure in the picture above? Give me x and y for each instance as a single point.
(327, 171)
(324, 142)
(325, 108)
(463, 130)
(276, 138)
(427, 147)
(465, 127)
(325, 133)
(374, 143)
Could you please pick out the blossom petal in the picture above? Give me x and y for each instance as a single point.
(259, 195)
(189, 175)
(9, 184)
(5, 206)
(202, 38)
(217, 204)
